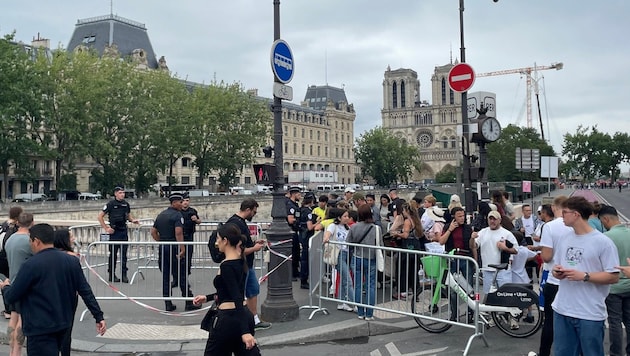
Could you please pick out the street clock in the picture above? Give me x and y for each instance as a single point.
(490, 129)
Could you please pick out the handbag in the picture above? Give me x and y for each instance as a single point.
(380, 259)
(210, 319)
(331, 252)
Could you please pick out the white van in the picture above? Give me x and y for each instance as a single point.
(89, 196)
(198, 193)
(263, 189)
(339, 187)
(324, 188)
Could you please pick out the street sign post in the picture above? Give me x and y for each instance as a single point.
(282, 91)
(461, 77)
(282, 61)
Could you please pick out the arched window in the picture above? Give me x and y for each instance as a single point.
(295, 166)
(443, 91)
(402, 94)
(394, 95)
(453, 142)
(445, 142)
(452, 100)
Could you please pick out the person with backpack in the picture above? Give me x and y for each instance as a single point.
(246, 213)
(8, 228)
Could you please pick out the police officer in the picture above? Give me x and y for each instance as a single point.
(168, 226)
(119, 213)
(191, 219)
(308, 220)
(293, 218)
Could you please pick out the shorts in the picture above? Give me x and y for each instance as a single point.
(252, 288)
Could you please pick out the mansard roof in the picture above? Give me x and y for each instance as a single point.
(127, 35)
(317, 96)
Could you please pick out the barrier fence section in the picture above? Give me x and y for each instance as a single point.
(187, 276)
(413, 283)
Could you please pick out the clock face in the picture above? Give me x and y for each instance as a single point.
(491, 129)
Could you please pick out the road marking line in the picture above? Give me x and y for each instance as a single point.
(393, 350)
(376, 353)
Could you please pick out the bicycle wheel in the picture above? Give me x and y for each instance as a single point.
(423, 304)
(523, 325)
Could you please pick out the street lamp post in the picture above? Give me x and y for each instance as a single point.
(468, 197)
(279, 304)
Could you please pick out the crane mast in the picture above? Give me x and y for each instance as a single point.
(527, 72)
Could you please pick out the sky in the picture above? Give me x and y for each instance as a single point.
(350, 43)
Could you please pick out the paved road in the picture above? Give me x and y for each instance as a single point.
(621, 201)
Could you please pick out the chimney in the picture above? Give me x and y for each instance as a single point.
(40, 42)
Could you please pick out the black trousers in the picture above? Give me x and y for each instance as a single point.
(225, 338)
(118, 235)
(295, 252)
(46, 344)
(546, 336)
(304, 236)
(168, 262)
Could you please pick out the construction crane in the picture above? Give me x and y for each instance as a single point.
(527, 71)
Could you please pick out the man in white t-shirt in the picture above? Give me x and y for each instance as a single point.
(585, 263)
(492, 240)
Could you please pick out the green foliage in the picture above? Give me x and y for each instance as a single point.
(67, 182)
(591, 153)
(448, 174)
(502, 153)
(385, 158)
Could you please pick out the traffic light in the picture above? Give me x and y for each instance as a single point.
(265, 173)
(267, 150)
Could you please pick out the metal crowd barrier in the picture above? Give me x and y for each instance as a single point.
(399, 290)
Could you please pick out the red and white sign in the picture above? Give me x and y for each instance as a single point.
(461, 77)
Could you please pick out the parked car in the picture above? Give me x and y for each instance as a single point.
(90, 196)
(29, 197)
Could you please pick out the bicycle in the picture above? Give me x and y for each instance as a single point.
(513, 307)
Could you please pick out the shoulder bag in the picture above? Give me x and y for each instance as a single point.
(380, 259)
(331, 251)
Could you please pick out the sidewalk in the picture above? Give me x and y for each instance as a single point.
(133, 328)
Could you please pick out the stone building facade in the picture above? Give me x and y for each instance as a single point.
(431, 126)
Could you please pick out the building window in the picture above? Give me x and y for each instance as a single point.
(453, 142)
(303, 148)
(326, 136)
(248, 180)
(286, 147)
(185, 180)
(295, 148)
(443, 91)
(336, 125)
(294, 132)
(402, 93)
(394, 96)
(310, 134)
(424, 138)
(286, 130)
(336, 152)
(311, 150)
(186, 162)
(444, 142)
(336, 137)
(348, 139)
(318, 135)
(452, 94)
(326, 151)
(302, 133)
(319, 151)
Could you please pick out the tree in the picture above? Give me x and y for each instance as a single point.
(592, 153)
(230, 126)
(502, 153)
(448, 174)
(18, 112)
(385, 158)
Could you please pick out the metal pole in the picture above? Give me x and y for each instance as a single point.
(468, 198)
(279, 304)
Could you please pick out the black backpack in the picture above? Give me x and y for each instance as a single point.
(5, 232)
(217, 256)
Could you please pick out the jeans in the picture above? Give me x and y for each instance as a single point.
(45, 344)
(118, 235)
(364, 279)
(345, 280)
(546, 335)
(574, 337)
(618, 306)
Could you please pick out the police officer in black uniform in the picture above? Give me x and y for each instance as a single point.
(168, 226)
(119, 213)
(308, 220)
(191, 219)
(293, 218)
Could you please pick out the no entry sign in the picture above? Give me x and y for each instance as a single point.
(461, 77)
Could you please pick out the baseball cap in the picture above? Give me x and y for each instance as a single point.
(494, 214)
(358, 196)
(350, 190)
(118, 188)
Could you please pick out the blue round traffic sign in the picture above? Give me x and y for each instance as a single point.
(282, 61)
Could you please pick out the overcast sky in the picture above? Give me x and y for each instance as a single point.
(350, 43)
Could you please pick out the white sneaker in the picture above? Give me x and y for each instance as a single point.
(347, 308)
(369, 318)
(532, 353)
(340, 306)
(361, 317)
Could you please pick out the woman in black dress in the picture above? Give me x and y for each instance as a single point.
(233, 330)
